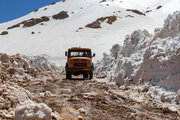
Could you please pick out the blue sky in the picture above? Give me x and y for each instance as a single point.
(12, 9)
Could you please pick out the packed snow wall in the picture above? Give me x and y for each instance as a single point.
(147, 58)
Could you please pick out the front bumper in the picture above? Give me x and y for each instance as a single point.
(80, 69)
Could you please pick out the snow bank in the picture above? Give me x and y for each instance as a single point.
(11, 96)
(147, 58)
(22, 68)
(171, 26)
(18, 70)
(153, 96)
(33, 112)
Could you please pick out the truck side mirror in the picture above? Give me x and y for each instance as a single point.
(94, 54)
(66, 53)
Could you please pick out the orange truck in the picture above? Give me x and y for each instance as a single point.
(79, 61)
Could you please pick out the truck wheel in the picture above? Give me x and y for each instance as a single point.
(68, 75)
(91, 75)
(85, 75)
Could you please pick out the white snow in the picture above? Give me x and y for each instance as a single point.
(147, 58)
(33, 112)
(58, 35)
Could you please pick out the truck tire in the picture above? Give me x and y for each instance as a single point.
(85, 75)
(91, 75)
(68, 75)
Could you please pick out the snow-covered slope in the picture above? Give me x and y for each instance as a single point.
(55, 36)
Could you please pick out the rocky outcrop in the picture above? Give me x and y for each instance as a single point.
(31, 22)
(97, 23)
(136, 11)
(61, 15)
(159, 7)
(4, 33)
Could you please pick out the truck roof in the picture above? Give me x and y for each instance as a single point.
(78, 48)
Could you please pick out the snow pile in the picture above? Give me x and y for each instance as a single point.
(153, 95)
(171, 26)
(119, 62)
(23, 68)
(18, 70)
(11, 96)
(33, 112)
(147, 58)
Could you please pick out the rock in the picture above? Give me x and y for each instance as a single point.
(61, 15)
(82, 111)
(45, 94)
(45, 18)
(4, 33)
(11, 70)
(136, 11)
(102, 1)
(95, 24)
(36, 10)
(80, 28)
(66, 91)
(53, 3)
(111, 19)
(31, 22)
(159, 7)
(4, 58)
(33, 112)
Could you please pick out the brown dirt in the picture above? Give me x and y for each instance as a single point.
(76, 99)
(91, 100)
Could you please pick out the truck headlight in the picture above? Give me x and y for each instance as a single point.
(71, 65)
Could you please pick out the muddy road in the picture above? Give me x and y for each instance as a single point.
(80, 99)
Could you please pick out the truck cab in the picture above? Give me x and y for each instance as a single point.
(79, 61)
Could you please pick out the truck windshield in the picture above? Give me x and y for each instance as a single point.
(79, 53)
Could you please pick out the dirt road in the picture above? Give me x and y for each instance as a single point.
(80, 99)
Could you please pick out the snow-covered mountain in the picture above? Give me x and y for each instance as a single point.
(51, 37)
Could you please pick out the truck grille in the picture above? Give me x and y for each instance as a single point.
(80, 64)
